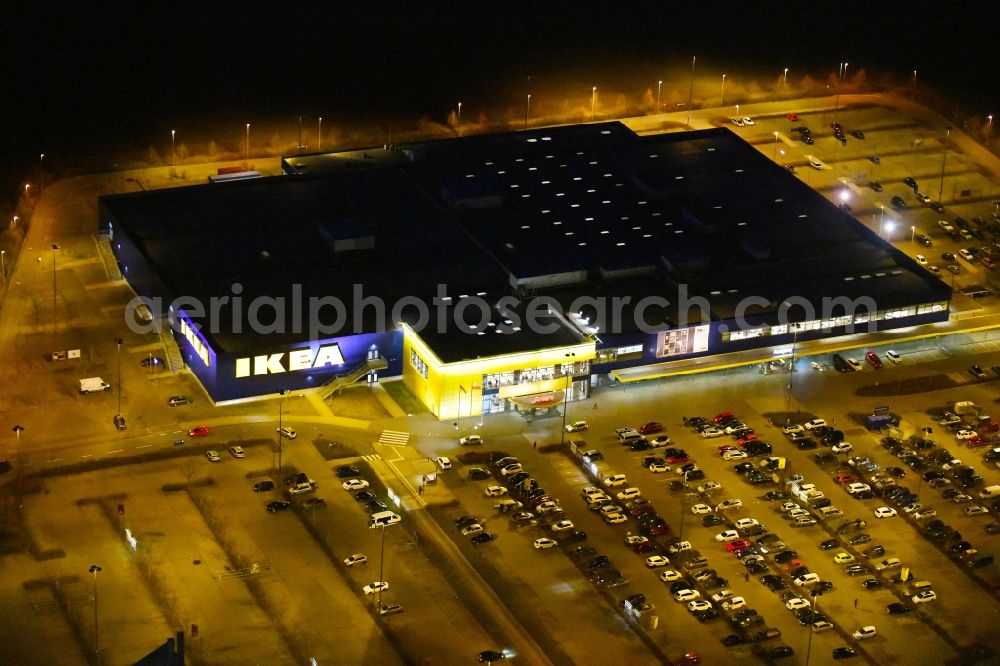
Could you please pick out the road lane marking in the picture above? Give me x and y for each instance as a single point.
(116, 451)
(87, 455)
(53, 460)
(144, 446)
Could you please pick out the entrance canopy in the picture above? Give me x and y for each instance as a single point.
(547, 399)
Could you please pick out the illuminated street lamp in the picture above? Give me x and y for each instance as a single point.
(3, 265)
(527, 109)
(691, 84)
(659, 85)
(27, 187)
(54, 248)
(815, 594)
(459, 125)
(776, 146)
(173, 147)
(913, 234)
(722, 93)
(569, 377)
(248, 144)
(118, 341)
(281, 404)
(784, 77)
(319, 135)
(41, 174)
(593, 102)
(944, 158)
(94, 569)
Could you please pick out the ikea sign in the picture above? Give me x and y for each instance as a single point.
(300, 359)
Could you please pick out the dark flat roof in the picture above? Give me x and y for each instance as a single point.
(578, 209)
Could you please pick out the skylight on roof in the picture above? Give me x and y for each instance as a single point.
(525, 226)
(532, 168)
(620, 244)
(588, 219)
(739, 171)
(592, 162)
(711, 150)
(581, 244)
(546, 182)
(568, 233)
(577, 178)
(519, 159)
(605, 131)
(546, 138)
(532, 140)
(470, 175)
(605, 231)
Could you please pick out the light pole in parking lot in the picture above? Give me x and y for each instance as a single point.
(913, 234)
(281, 404)
(722, 93)
(319, 135)
(791, 369)
(784, 78)
(527, 110)
(569, 377)
(815, 594)
(659, 85)
(248, 145)
(173, 147)
(94, 569)
(118, 390)
(458, 124)
(776, 147)
(54, 319)
(593, 101)
(381, 563)
(691, 84)
(944, 159)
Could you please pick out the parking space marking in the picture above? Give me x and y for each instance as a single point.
(144, 446)
(116, 451)
(52, 460)
(87, 455)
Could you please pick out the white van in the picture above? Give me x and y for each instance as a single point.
(828, 512)
(989, 492)
(383, 519)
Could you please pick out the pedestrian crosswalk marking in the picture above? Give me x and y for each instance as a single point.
(371, 457)
(394, 437)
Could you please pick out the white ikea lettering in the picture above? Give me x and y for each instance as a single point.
(195, 341)
(299, 359)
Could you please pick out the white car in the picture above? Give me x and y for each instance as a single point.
(710, 487)
(893, 356)
(615, 518)
(789, 506)
(924, 596)
(701, 509)
(724, 505)
(737, 121)
(946, 226)
(734, 604)
(680, 547)
(747, 120)
(474, 528)
(728, 535)
(376, 586)
(734, 455)
(213, 456)
(885, 512)
(356, 558)
(730, 429)
(287, 432)
(698, 605)
(687, 595)
(744, 523)
(562, 526)
(864, 632)
(723, 594)
(658, 468)
(670, 576)
(660, 441)
(633, 539)
(443, 462)
(964, 434)
(965, 254)
(576, 426)
(843, 447)
(615, 481)
(495, 491)
(921, 259)
(924, 513)
(789, 429)
(855, 365)
(815, 423)
(237, 452)
(709, 433)
(798, 513)
(796, 603)
(471, 440)
(975, 510)
(547, 507)
(354, 484)
(657, 561)
(544, 543)
(857, 487)
(628, 494)
(816, 164)
(512, 469)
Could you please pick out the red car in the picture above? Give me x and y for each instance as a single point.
(747, 438)
(988, 426)
(846, 477)
(739, 544)
(722, 416)
(199, 431)
(650, 428)
(792, 116)
(640, 509)
(975, 441)
(644, 547)
(873, 360)
(725, 447)
(677, 460)
(660, 530)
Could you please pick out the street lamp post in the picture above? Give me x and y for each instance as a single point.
(791, 370)
(569, 377)
(248, 144)
(776, 146)
(527, 109)
(815, 594)
(913, 234)
(691, 84)
(54, 320)
(784, 78)
(94, 569)
(41, 172)
(281, 404)
(3, 265)
(458, 127)
(173, 147)
(118, 341)
(722, 93)
(944, 159)
(319, 135)
(381, 565)
(659, 85)
(593, 102)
